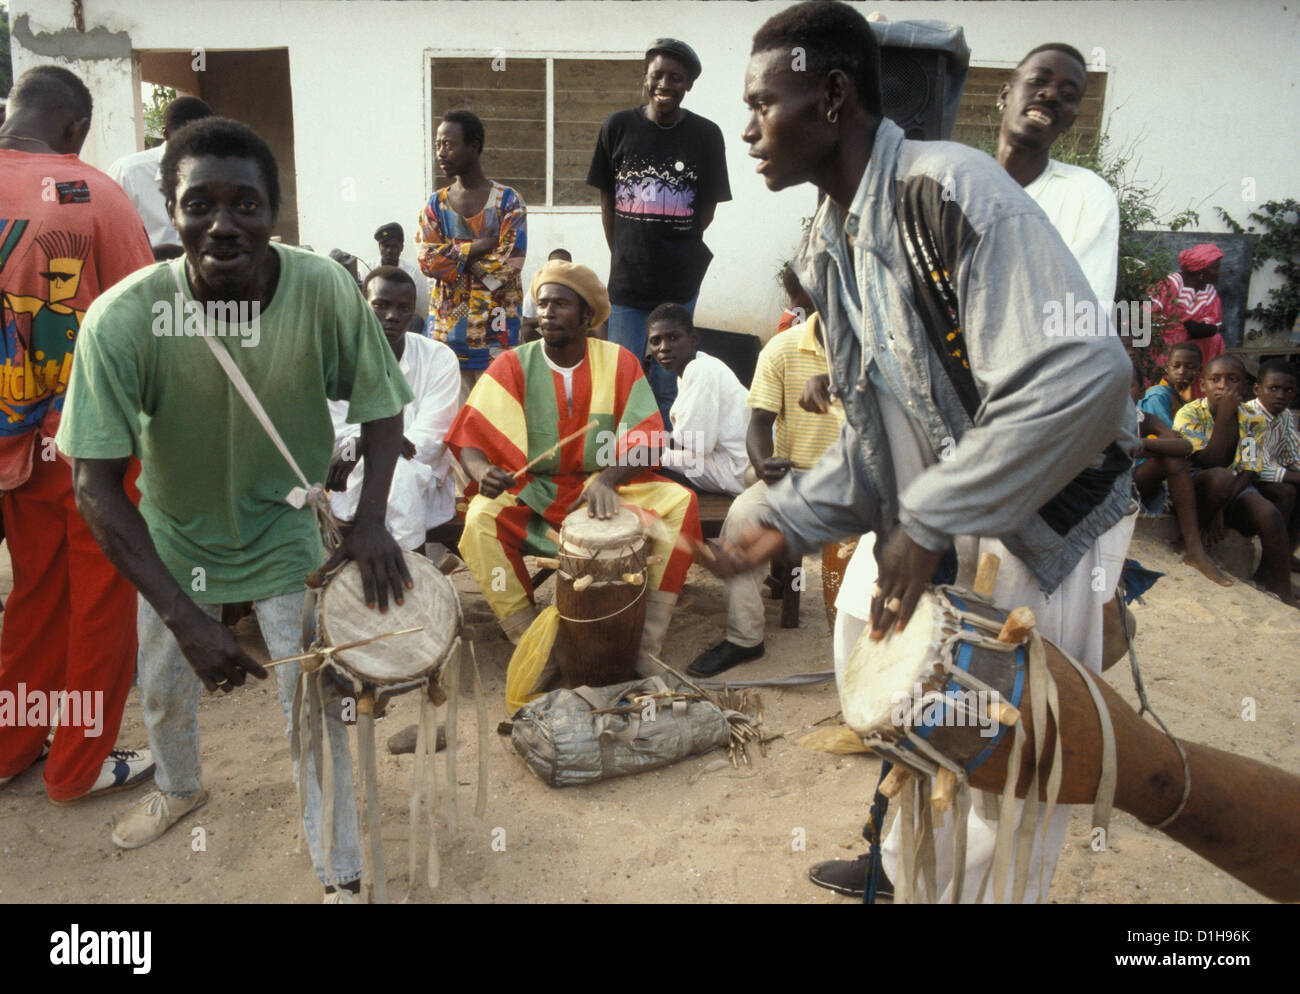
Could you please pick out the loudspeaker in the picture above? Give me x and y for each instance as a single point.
(923, 67)
(914, 86)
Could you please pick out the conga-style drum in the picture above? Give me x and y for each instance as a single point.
(600, 595)
(835, 559)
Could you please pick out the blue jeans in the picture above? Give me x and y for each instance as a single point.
(627, 327)
(169, 694)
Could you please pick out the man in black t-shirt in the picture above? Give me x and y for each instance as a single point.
(661, 172)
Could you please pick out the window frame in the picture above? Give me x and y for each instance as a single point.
(549, 55)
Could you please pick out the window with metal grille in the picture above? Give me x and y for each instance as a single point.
(541, 117)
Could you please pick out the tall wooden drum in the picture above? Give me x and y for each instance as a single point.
(600, 594)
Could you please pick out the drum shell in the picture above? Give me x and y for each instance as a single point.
(961, 735)
(601, 651)
(833, 567)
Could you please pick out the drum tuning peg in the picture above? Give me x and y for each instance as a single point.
(1018, 625)
(986, 575)
(895, 782)
(546, 563)
(552, 536)
(636, 579)
(945, 783)
(653, 560)
(583, 582)
(1003, 713)
(847, 549)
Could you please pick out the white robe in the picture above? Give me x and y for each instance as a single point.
(709, 420)
(423, 493)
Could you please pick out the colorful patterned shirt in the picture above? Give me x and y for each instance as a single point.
(1281, 442)
(474, 307)
(1195, 423)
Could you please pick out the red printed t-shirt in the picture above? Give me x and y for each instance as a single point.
(67, 233)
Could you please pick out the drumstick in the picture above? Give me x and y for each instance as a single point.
(554, 449)
(339, 648)
(696, 550)
(987, 575)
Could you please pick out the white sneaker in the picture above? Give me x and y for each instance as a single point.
(342, 896)
(124, 768)
(149, 819)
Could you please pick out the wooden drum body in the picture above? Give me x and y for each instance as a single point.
(600, 594)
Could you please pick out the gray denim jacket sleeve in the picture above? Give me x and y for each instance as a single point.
(1050, 402)
(831, 501)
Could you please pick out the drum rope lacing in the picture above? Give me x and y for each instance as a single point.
(628, 550)
(1146, 706)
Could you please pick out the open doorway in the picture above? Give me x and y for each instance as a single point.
(248, 86)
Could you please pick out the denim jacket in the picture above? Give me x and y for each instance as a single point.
(1031, 429)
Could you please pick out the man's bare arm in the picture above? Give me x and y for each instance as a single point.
(121, 532)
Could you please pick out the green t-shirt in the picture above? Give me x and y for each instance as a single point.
(212, 482)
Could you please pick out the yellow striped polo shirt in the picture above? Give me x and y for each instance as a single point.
(784, 366)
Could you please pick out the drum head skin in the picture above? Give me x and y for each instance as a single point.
(343, 617)
(582, 531)
(877, 672)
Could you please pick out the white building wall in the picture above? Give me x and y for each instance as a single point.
(1207, 92)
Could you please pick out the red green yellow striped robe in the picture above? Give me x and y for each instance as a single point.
(517, 411)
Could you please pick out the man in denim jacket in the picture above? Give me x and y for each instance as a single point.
(983, 389)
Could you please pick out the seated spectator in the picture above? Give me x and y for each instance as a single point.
(1178, 386)
(422, 494)
(391, 239)
(1163, 472)
(784, 435)
(1228, 455)
(706, 447)
(1279, 480)
(530, 398)
(528, 310)
(1189, 300)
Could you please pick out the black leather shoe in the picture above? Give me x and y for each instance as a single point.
(722, 657)
(849, 877)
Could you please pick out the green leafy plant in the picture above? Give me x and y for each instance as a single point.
(1279, 243)
(159, 98)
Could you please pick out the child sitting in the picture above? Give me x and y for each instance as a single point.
(1279, 480)
(706, 450)
(1228, 455)
(1163, 474)
(1178, 386)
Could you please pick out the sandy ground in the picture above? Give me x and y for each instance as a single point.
(696, 832)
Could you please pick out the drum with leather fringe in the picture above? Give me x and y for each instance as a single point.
(414, 645)
(905, 696)
(600, 594)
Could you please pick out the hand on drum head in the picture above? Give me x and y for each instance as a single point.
(752, 549)
(214, 654)
(380, 560)
(602, 500)
(905, 570)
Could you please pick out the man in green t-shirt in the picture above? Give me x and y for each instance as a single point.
(214, 525)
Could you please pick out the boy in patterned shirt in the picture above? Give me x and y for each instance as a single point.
(1228, 455)
(1279, 480)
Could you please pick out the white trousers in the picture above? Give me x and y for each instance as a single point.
(1071, 619)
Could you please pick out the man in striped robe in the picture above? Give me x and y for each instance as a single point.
(528, 400)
